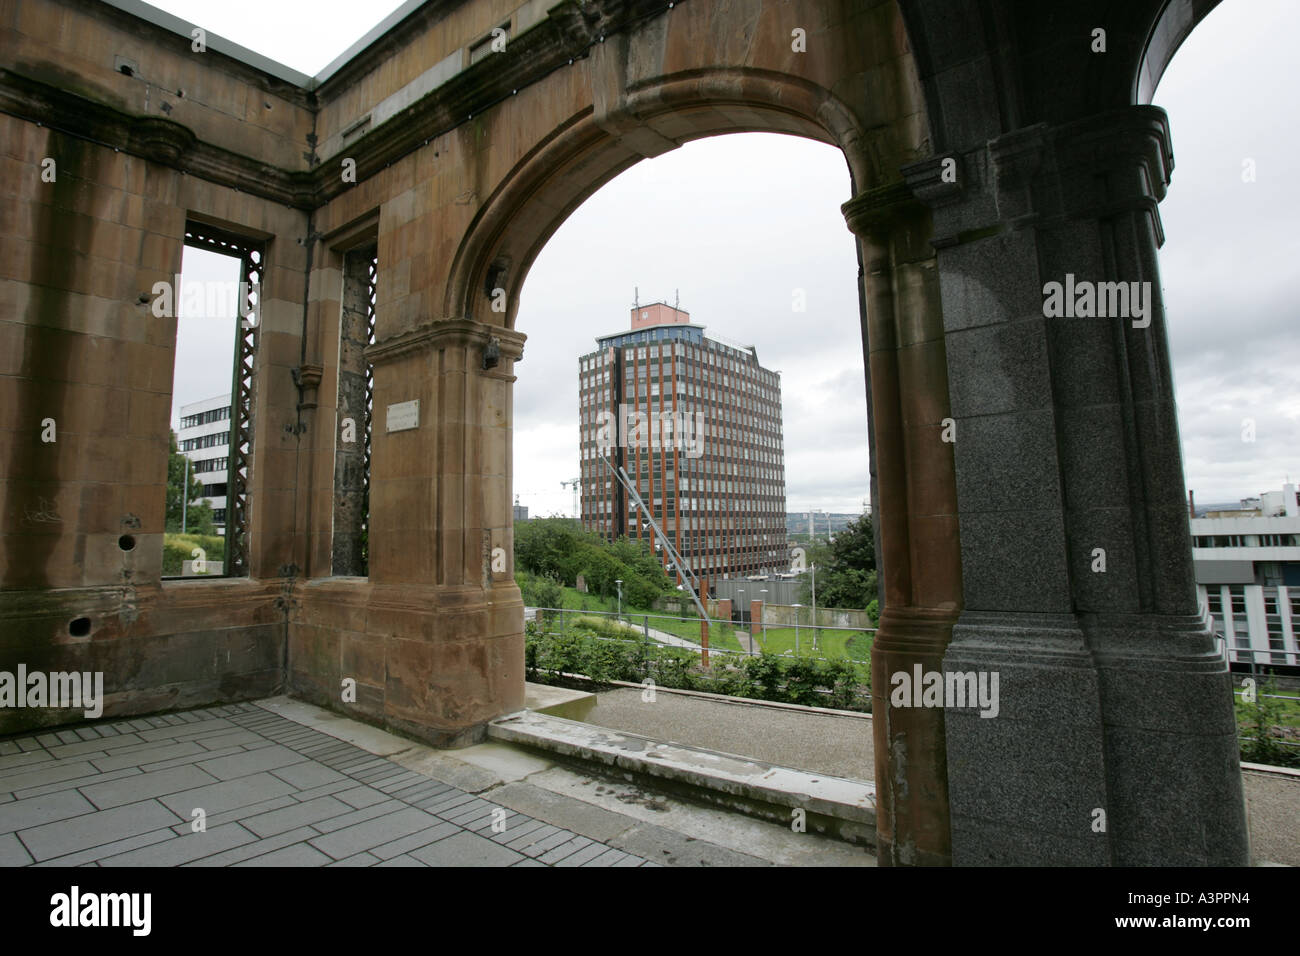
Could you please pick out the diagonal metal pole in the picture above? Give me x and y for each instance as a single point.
(687, 577)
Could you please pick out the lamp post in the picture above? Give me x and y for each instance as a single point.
(762, 614)
(185, 493)
(816, 629)
(740, 591)
(796, 629)
(619, 582)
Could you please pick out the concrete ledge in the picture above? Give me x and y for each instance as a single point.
(559, 701)
(832, 805)
(740, 701)
(1270, 769)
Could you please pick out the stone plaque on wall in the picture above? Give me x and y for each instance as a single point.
(404, 416)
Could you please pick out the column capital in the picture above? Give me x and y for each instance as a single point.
(874, 210)
(444, 333)
(1110, 163)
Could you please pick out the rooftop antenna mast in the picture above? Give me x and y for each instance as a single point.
(677, 299)
(636, 297)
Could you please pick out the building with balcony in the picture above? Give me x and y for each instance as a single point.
(696, 423)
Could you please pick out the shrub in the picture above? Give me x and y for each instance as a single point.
(178, 548)
(1262, 719)
(601, 651)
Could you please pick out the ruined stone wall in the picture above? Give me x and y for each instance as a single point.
(456, 163)
(88, 229)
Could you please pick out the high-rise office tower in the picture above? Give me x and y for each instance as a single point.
(696, 423)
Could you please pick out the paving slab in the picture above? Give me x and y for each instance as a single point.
(298, 814)
(228, 794)
(349, 841)
(133, 789)
(236, 815)
(254, 848)
(145, 748)
(184, 849)
(563, 811)
(24, 814)
(12, 852)
(466, 849)
(300, 854)
(415, 841)
(21, 758)
(96, 829)
(254, 761)
(84, 857)
(304, 776)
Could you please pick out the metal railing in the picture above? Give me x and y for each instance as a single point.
(1261, 672)
(835, 688)
(725, 629)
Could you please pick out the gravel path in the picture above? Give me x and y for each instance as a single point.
(840, 746)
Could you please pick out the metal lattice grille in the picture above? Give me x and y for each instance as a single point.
(251, 258)
(372, 276)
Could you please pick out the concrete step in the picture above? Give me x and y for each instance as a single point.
(833, 806)
(559, 701)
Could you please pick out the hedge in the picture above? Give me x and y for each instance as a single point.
(601, 653)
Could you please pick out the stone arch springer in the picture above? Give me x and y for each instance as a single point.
(790, 104)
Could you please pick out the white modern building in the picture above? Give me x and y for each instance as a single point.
(204, 438)
(1248, 575)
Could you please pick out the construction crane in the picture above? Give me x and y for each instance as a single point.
(577, 486)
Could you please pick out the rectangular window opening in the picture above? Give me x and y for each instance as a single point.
(216, 310)
(351, 542)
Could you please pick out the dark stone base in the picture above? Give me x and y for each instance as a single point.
(1114, 744)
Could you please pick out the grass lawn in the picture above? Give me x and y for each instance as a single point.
(830, 644)
(722, 635)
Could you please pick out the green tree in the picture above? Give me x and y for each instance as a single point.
(197, 514)
(559, 548)
(846, 568)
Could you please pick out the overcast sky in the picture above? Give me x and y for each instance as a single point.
(736, 224)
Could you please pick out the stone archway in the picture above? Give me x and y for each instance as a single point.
(640, 109)
(994, 147)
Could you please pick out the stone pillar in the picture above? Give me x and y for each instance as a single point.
(915, 512)
(443, 598)
(1114, 740)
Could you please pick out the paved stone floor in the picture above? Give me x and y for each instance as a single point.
(272, 791)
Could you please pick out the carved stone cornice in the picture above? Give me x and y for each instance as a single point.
(161, 140)
(569, 31)
(1109, 164)
(1114, 163)
(876, 209)
(936, 181)
(447, 333)
(154, 138)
